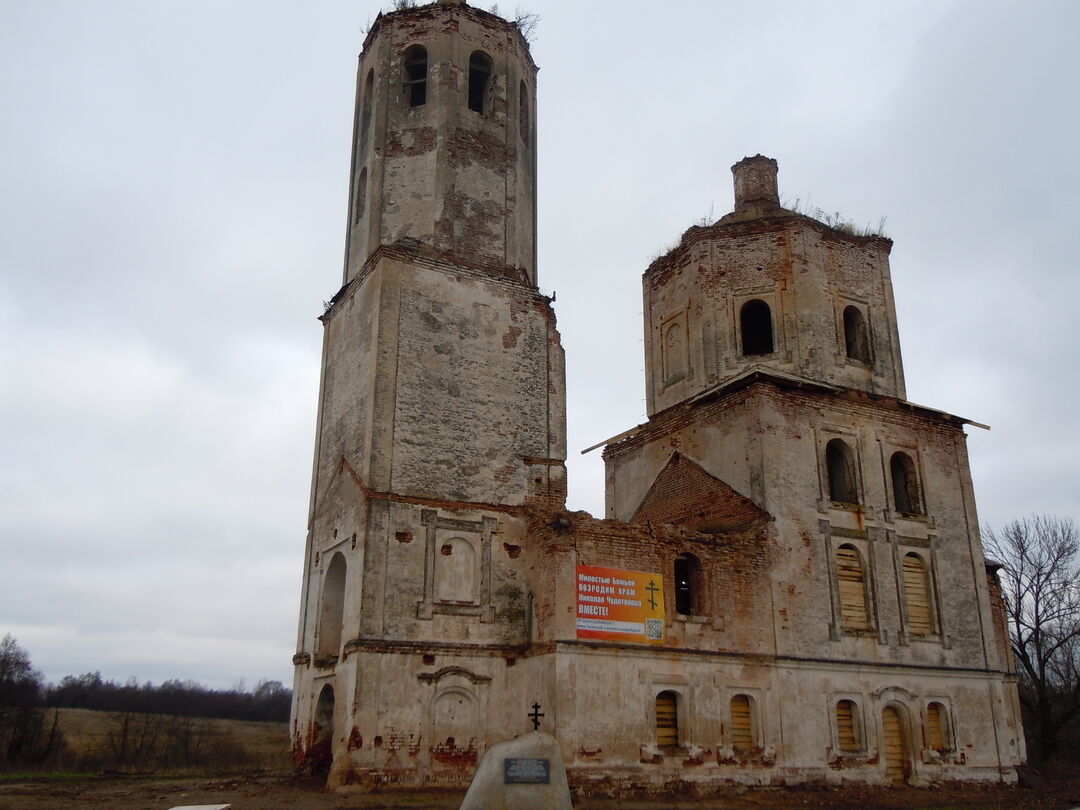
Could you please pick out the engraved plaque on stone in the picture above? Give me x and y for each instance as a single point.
(526, 771)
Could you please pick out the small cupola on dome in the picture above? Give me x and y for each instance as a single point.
(756, 191)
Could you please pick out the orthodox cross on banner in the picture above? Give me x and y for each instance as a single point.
(652, 589)
(535, 716)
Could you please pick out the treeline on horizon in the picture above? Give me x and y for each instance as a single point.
(269, 700)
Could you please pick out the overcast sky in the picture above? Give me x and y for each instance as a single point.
(172, 210)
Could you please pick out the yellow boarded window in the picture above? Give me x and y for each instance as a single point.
(845, 726)
(917, 593)
(851, 585)
(742, 730)
(667, 720)
(935, 726)
(894, 751)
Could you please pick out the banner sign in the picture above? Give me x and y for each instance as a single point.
(618, 605)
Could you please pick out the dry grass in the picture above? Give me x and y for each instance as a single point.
(251, 744)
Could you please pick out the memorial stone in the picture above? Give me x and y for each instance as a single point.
(525, 773)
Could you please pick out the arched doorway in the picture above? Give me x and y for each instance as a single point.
(320, 754)
(894, 746)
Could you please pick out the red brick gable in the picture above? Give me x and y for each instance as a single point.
(686, 495)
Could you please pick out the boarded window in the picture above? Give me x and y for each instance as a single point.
(856, 339)
(905, 484)
(667, 720)
(688, 585)
(847, 731)
(851, 588)
(332, 607)
(840, 464)
(416, 69)
(894, 748)
(755, 320)
(479, 82)
(917, 596)
(742, 724)
(936, 727)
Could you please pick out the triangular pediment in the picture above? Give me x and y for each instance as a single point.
(686, 494)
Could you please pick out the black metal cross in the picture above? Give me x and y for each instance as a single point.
(535, 716)
(652, 589)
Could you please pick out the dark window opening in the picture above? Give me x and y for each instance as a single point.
(361, 194)
(840, 464)
(523, 112)
(905, 484)
(479, 79)
(365, 115)
(757, 331)
(416, 75)
(687, 585)
(856, 339)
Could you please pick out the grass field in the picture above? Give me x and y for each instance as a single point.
(96, 740)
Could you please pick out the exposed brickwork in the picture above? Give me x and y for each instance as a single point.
(685, 495)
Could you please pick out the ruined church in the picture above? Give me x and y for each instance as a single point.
(788, 585)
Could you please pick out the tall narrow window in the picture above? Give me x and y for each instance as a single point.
(416, 76)
(851, 588)
(917, 596)
(332, 607)
(755, 320)
(667, 720)
(479, 80)
(905, 484)
(361, 194)
(847, 727)
(937, 727)
(365, 114)
(856, 337)
(523, 112)
(840, 465)
(687, 585)
(742, 724)
(895, 747)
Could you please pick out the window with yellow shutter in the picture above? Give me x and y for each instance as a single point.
(937, 727)
(847, 730)
(667, 720)
(917, 595)
(742, 727)
(851, 589)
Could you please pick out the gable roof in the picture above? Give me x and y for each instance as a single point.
(685, 494)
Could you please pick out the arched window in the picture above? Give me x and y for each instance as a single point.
(687, 585)
(416, 76)
(848, 730)
(755, 319)
(523, 112)
(851, 588)
(667, 720)
(742, 724)
(905, 484)
(856, 337)
(361, 194)
(332, 607)
(479, 80)
(937, 727)
(840, 464)
(917, 596)
(365, 114)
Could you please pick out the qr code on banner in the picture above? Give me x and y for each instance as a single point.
(654, 628)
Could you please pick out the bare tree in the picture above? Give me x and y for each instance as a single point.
(1042, 597)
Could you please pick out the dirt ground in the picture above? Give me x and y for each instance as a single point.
(275, 793)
